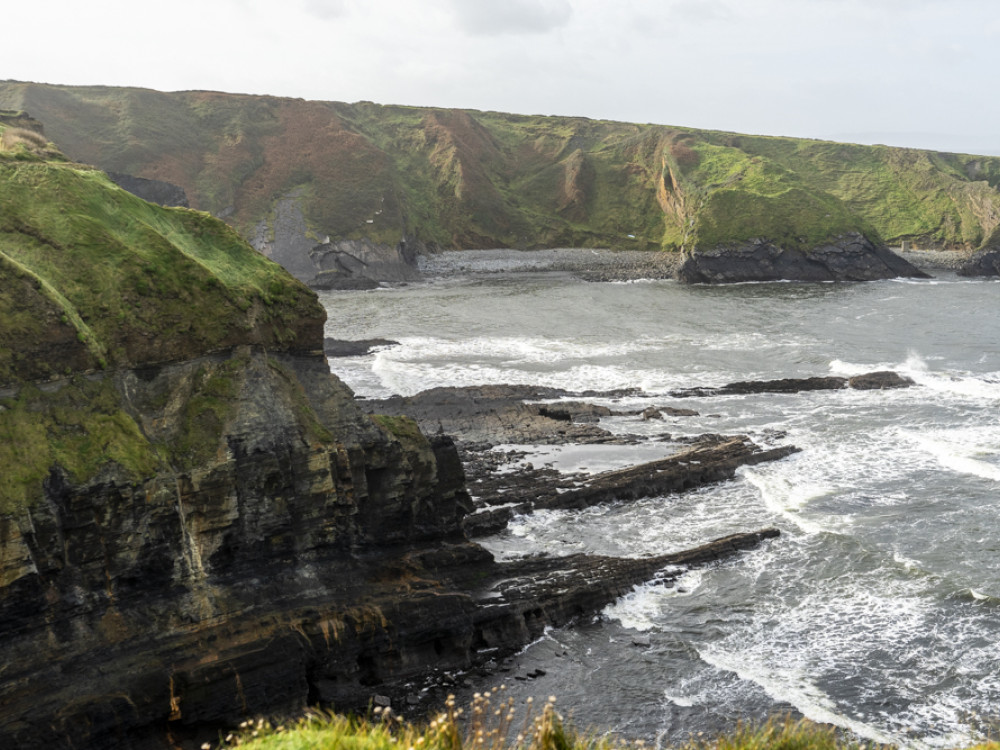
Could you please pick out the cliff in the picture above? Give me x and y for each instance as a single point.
(185, 490)
(307, 181)
(197, 522)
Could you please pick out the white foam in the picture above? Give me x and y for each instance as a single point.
(796, 689)
(979, 386)
(788, 498)
(908, 563)
(964, 451)
(405, 373)
(679, 701)
(642, 608)
(976, 387)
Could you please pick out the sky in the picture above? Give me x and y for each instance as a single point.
(902, 72)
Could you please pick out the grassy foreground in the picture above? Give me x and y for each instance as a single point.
(493, 723)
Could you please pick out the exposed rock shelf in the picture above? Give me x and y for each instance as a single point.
(714, 460)
(870, 381)
(851, 257)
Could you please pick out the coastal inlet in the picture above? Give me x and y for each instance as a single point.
(876, 608)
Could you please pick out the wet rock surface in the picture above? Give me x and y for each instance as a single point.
(495, 414)
(869, 381)
(713, 459)
(360, 348)
(480, 417)
(851, 257)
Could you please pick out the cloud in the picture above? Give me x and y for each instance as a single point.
(511, 16)
(326, 10)
(699, 11)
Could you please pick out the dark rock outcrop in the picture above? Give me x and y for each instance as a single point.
(689, 469)
(154, 191)
(869, 381)
(279, 572)
(985, 262)
(878, 381)
(338, 263)
(343, 348)
(715, 459)
(851, 257)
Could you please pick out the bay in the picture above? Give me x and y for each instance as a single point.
(879, 607)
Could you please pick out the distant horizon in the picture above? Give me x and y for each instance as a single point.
(915, 73)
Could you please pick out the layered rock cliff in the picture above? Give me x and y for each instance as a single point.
(197, 522)
(186, 490)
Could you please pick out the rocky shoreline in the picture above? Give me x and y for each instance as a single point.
(592, 264)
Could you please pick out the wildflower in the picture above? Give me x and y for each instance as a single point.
(206, 746)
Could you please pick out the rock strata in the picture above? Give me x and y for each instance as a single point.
(713, 460)
(851, 257)
(247, 540)
(198, 522)
(362, 264)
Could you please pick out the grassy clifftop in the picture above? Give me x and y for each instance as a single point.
(477, 179)
(94, 277)
(93, 281)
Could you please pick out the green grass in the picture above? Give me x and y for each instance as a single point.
(137, 281)
(402, 428)
(80, 427)
(492, 722)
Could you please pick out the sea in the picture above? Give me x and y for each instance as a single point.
(877, 609)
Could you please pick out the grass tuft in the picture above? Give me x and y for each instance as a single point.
(493, 722)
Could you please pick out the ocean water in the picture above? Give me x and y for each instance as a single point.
(878, 609)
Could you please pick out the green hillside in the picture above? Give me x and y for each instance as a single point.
(94, 280)
(464, 179)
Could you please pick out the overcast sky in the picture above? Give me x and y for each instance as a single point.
(904, 72)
